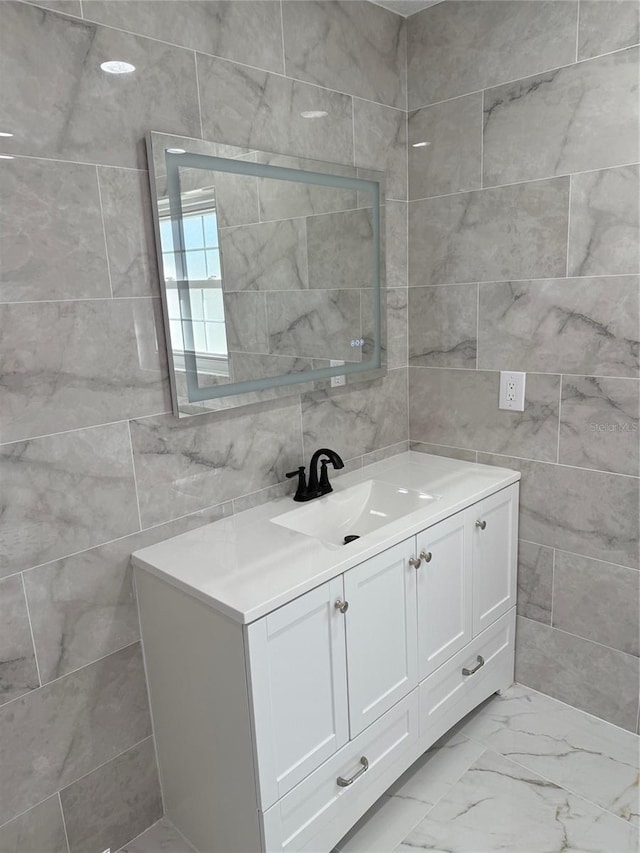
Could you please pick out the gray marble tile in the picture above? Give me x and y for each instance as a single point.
(357, 419)
(288, 199)
(63, 493)
(604, 233)
(585, 512)
(264, 256)
(248, 32)
(314, 323)
(535, 581)
(115, 803)
(588, 676)
(83, 608)
(460, 408)
(506, 232)
(185, 466)
(96, 713)
(385, 453)
(44, 256)
(584, 326)
(245, 315)
(381, 144)
(582, 116)
(65, 7)
(607, 25)
(104, 363)
(252, 108)
(597, 601)
(466, 45)
(347, 46)
(397, 330)
(600, 424)
(91, 116)
(18, 671)
(443, 326)
(450, 161)
(396, 243)
(565, 745)
(40, 830)
(498, 805)
(128, 225)
(340, 249)
(443, 450)
(160, 838)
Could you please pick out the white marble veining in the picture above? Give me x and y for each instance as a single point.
(220, 564)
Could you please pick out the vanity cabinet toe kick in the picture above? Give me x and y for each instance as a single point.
(278, 735)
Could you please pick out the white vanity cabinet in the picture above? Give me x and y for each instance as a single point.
(277, 735)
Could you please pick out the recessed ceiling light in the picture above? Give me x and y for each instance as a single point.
(6, 157)
(117, 66)
(176, 150)
(5, 133)
(314, 113)
(420, 144)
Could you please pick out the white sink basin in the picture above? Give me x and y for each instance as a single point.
(355, 511)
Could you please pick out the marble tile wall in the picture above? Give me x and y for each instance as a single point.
(524, 241)
(92, 464)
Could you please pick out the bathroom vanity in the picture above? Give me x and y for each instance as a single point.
(293, 679)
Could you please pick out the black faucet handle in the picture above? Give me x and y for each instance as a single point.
(301, 491)
(324, 485)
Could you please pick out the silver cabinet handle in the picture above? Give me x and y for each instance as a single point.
(342, 606)
(426, 556)
(481, 524)
(474, 669)
(344, 783)
(415, 562)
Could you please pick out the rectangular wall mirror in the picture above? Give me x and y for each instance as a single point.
(271, 270)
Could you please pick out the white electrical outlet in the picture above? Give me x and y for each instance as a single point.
(337, 381)
(512, 391)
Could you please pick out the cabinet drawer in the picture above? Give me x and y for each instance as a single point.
(448, 694)
(317, 812)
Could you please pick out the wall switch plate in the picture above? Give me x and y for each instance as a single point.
(512, 391)
(337, 381)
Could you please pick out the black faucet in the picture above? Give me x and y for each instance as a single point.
(316, 488)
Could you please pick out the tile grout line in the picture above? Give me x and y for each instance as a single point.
(575, 554)
(553, 585)
(195, 62)
(478, 326)
(584, 639)
(64, 822)
(559, 417)
(569, 225)
(284, 51)
(578, 29)
(33, 638)
(104, 231)
(135, 476)
(140, 834)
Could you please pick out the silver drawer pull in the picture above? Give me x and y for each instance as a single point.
(481, 524)
(342, 606)
(426, 556)
(415, 562)
(344, 783)
(480, 663)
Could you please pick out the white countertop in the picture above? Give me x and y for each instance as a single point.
(245, 565)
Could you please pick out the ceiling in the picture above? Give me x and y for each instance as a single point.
(405, 7)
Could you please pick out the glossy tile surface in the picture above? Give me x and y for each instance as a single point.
(450, 161)
(535, 581)
(91, 116)
(63, 258)
(97, 713)
(340, 249)
(106, 363)
(595, 678)
(585, 326)
(18, 671)
(443, 323)
(466, 45)
(509, 232)
(600, 424)
(381, 144)
(330, 43)
(459, 408)
(607, 25)
(583, 116)
(598, 601)
(40, 830)
(63, 493)
(115, 802)
(604, 235)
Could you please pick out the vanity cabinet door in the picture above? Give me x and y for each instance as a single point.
(298, 681)
(444, 592)
(493, 523)
(381, 622)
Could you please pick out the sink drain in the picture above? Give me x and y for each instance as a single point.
(350, 538)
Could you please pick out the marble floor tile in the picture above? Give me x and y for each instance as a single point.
(40, 830)
(582, 116)
(579, 752)
(18, 671)
(499, 805)
(607, 25)
(160, 838)
(535, 581)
